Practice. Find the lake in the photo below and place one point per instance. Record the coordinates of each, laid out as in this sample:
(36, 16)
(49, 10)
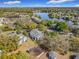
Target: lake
(44, 16)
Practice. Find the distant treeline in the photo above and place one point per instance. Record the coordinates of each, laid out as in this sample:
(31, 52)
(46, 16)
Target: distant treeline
(23, 10)
(40, 9)
(56, 9)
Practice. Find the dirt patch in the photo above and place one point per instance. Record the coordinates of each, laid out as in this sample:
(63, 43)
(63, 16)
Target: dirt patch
(35, 51)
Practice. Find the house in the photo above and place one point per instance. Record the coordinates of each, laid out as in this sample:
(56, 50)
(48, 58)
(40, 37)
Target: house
(55, 19)
(52, 55)
(11, 33)
(11, 15)
(1, 21)
(23, 15)
(77, 57)
(36, 20)
(70, 24)
(74, 56)
(4, 21)
(22, 39)
(0, 52)
(75, 26)
(36, 34)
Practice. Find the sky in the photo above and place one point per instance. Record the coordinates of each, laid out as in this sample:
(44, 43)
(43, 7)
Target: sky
(39, 3)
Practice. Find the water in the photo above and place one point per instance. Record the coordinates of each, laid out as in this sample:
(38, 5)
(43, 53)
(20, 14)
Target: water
(44, 16)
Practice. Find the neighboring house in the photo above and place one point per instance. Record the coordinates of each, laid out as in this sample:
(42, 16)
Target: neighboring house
(11, 33)
(36, 34)
(55, 19)
(52, 55)
(70, 34)
(0, 52)
(22, 39)
(36, 20)
(1, 21)
(75, 26)
(77, 57)
(23, 15)
(70, 24)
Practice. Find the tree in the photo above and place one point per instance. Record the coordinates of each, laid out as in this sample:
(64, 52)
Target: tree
(76, 32)
(51, 33)
(75, 22)
(41, 27)
(8, 43)
(50, 23)
(74, 45)
(6, 28)
(24, 24)
(12, 56)
(31, 26)
(66, 18)
(4, 56)
(61, 26)
(54, 44)
(21, 55)
(50, 15)
(44, 22)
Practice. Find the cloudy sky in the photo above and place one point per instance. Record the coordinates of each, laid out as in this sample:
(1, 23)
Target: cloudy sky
(39, 3)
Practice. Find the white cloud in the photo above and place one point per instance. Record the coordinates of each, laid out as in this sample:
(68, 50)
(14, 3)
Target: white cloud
(58, 1)
(77, 5)
(12, 2)
(40, 5)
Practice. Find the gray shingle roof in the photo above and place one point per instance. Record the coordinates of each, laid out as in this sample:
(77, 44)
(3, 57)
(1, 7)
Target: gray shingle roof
(52, 55)
(22, 39)
(36, 34)
(77, 57)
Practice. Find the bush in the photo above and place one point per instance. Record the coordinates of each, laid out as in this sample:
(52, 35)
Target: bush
(74, 45)
(8, 43)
